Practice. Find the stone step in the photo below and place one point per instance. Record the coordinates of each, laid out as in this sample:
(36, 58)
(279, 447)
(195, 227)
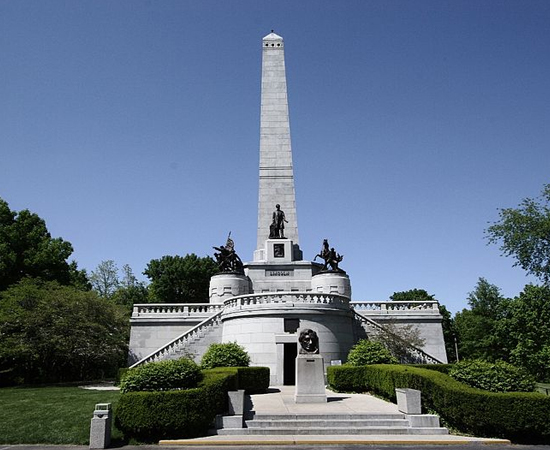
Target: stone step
(318, 423)
(314, 431)
(326, 417)
(362, 431)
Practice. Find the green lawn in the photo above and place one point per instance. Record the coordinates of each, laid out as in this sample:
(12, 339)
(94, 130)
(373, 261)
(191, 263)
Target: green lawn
(50, 415)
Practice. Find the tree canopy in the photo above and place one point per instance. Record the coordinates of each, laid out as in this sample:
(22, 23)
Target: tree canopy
(177, 279)
(524, 233)
(27, 249)
(480, 329)
(412, 295)
(51, 333)
(513, 330)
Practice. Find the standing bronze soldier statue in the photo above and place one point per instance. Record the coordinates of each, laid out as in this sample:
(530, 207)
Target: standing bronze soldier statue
(276, 229)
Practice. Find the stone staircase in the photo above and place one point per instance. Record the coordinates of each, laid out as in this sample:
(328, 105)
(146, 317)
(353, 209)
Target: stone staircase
(193, 343)
(337, 424)
(196, 346)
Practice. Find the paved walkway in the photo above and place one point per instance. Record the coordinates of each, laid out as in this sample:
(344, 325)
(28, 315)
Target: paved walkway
(280, 400)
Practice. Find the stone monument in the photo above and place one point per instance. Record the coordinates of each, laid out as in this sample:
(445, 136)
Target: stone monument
(279, 304)
(310, 376)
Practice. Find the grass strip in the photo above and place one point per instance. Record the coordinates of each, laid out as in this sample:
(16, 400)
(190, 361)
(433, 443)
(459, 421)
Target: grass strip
(50, 415)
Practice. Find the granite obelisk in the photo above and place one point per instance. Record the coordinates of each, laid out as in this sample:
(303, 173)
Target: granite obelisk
(276, 170)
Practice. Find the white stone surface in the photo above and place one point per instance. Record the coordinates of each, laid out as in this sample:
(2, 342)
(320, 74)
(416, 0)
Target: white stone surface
(409, 401)
(331, 283)
(276, 169)
(310, 379)
(225, 285)
(100, 427)
(236, 402)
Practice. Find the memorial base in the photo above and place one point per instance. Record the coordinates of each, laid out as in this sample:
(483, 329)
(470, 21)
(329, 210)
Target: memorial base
(310, 379)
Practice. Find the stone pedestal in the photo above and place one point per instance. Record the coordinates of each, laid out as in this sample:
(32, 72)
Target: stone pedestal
(310, 379)
(100, 428)
(408, 401)
(331, 283)
(226, 285)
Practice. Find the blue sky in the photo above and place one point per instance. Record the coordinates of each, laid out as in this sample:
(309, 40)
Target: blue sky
(132, 128)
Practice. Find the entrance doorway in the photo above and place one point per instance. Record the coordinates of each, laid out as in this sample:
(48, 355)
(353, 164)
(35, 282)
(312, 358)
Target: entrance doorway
(289, 367)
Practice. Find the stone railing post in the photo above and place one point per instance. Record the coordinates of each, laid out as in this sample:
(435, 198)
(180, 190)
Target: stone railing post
(100, 428)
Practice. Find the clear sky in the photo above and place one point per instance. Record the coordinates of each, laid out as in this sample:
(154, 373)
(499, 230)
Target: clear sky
(132, 128)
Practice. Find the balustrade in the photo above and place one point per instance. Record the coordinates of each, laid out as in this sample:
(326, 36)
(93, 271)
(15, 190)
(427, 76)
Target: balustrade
(174, 309)
(385, 307)
(274, 298)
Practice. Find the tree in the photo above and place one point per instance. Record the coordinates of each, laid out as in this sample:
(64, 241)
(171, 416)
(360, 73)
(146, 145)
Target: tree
(412, 295)
(528, 326)
(104, 278)
(130, 290)
(27, 249)
(480, 330)
(177, 279)
(524, 233)
(51, 333)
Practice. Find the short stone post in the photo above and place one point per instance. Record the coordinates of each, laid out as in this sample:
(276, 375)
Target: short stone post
(100, 429)
(235, 416)
(408, 401)
(236, 402)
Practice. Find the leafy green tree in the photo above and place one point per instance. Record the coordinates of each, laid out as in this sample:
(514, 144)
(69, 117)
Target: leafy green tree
(447, 322)
(528, 326)
(51, 333)
(412, 295)
(79, 277)
(104, 279)
(28, 250)
(480, 329)
(130, 290)
(177, 279)
(524, 233)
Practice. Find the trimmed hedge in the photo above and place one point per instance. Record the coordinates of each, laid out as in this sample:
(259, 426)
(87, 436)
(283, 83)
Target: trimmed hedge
(518, 416)
(254, 380)
(151, 416)
(443, 368)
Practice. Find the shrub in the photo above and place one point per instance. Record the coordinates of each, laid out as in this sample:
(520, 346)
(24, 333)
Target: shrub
(162, 376)
(254, 380)
(519, 416)
(151, 416)
(495, 377)
(229, 354)
(370, 352)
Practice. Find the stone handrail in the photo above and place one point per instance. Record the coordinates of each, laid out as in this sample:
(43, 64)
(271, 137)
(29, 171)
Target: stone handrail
(418, 355)
(274, 298)
(174, 309)
(180, 342)
(388, 306)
